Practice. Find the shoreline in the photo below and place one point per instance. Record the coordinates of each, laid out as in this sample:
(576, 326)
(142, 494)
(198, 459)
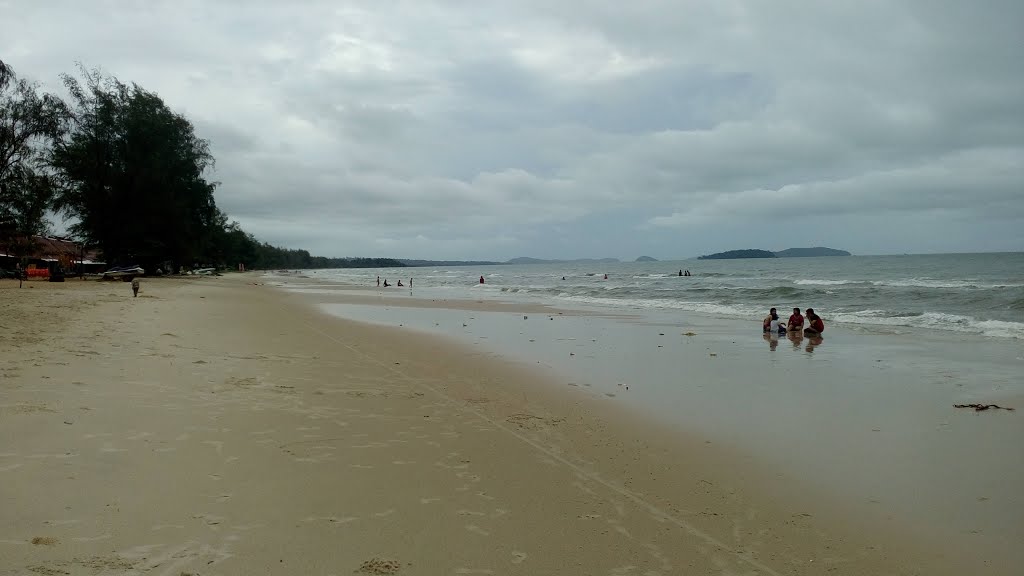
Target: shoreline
(817, 424)
(222, 425)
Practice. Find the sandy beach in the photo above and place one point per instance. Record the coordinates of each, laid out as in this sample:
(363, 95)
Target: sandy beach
(224, 426)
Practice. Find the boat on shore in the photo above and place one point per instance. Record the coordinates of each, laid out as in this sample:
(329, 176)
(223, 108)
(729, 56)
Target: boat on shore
(123, 272)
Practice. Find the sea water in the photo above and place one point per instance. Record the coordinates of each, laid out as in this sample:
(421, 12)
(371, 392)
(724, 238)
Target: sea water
(970, 293)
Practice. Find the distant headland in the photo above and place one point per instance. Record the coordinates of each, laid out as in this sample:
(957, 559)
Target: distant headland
(787, 253)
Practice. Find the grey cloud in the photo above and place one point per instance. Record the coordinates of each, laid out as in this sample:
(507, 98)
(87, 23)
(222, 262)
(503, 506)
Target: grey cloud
(444, 129)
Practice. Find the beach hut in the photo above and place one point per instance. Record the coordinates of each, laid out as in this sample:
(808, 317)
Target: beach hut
(43, 255)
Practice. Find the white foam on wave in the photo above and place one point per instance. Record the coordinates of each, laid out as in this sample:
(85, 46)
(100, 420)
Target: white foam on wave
(711, 308)
(823, 282)
(909, 283)
(931, 283)
(934, 321)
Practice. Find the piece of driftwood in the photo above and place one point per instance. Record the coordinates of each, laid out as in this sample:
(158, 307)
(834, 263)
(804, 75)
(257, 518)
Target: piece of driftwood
(982, 407)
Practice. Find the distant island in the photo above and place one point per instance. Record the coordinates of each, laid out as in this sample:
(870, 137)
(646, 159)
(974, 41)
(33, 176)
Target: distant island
(787, 253)
(810, 252)
(736, 254)
(646, 259)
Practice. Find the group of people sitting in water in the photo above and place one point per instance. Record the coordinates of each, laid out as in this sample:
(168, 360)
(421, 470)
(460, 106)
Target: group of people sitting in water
(773, 324)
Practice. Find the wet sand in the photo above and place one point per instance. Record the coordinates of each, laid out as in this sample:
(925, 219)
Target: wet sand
(222, 426)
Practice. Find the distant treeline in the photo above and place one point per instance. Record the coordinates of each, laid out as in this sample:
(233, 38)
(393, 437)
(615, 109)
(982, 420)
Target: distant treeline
(264, 256)
(129, 172)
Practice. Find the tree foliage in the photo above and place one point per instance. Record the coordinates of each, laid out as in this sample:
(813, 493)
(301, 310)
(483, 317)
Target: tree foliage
(238, 246)
(28, 123)
(132, 174)
(6, 74)
(129, 173)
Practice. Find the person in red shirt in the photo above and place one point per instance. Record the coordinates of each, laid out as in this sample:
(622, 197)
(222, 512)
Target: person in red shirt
(796, 321)
(817, 326)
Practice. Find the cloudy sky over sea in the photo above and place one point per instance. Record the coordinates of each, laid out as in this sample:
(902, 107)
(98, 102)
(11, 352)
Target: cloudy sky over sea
(583, 128)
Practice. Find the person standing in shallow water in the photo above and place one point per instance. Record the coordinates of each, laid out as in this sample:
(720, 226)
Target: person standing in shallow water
(135, 287)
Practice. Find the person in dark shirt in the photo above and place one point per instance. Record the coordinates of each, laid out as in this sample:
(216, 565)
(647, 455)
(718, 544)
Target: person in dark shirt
(816, 324)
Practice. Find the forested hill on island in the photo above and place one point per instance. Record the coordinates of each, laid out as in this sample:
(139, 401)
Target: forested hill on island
(787, 253)
(810, 252)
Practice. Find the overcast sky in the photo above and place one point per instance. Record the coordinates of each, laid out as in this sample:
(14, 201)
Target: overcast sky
(587, 128)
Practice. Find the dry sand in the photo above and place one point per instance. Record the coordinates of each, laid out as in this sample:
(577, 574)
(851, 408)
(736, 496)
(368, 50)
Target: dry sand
(219, 426)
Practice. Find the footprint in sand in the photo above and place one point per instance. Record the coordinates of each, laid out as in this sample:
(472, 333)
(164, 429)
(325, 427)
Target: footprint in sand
(93, 538)
(159, 527)
(477, 530)
(217, 444)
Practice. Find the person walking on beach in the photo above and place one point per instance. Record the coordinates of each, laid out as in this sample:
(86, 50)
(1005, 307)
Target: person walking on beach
(135, 287)
(796, 321)
(378, 281)
(816, 324)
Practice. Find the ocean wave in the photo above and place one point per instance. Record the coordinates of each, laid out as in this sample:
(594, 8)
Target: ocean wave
(933, 321)
(911, 283)
(824, 282)
(931, 283)
(713, 308)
